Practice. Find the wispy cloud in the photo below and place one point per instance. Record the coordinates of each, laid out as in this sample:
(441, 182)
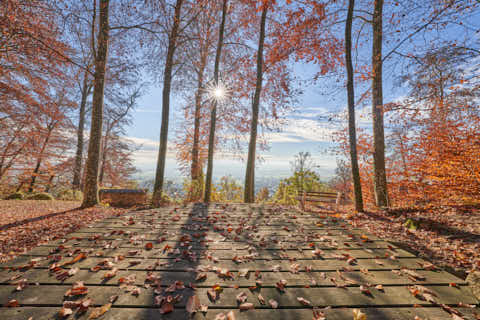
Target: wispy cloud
(141, 110)
(145, 143)
(302, 130)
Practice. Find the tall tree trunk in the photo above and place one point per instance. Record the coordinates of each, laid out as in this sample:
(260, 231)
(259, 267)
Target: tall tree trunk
(91, 179)
(50, 182)
(357, 187)
(39, 160)
(213, 115)
(380, 177)
(104, 158)
(77, 170)
(195, 170)
(167, 84)
(20, 186)
(249, 195)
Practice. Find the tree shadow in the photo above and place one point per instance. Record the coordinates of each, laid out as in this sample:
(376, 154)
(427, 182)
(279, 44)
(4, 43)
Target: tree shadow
(39, 218)
(443, 229)
(188, 259)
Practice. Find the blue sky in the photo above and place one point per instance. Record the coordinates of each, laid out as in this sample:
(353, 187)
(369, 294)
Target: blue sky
(304, 131)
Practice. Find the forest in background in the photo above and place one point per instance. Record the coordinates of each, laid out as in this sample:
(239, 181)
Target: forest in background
(72, 72)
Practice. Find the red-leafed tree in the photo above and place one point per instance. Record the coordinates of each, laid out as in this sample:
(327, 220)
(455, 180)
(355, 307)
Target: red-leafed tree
(298, 31)
(31, 56)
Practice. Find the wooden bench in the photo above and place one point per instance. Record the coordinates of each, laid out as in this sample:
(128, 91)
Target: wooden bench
(123, 197)
(318, 196)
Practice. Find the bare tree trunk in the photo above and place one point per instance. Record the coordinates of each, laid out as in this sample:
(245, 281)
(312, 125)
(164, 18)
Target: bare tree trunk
(77, 170)
(213, 115)
(20, 186)
(39, 160)
(104, 159)
(50, 182)
(357, 187)
(249, 195)
(380, 177)
(195, 170)
(167, 84)
(91, 179)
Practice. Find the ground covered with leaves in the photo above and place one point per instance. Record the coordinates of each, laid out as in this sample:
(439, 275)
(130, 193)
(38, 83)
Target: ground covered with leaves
(25, 224)
(448, 236)
(227, 262)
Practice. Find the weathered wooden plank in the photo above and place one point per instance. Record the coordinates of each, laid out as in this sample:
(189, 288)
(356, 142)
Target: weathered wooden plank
(224, 245)
(201, 235)
(268, 278)
(430, 313)
(356, 253)
(262, 265)
(285, 230)
(337, 297)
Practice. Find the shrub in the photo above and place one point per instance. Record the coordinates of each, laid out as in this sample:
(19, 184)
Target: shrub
(15, 196)
(70, 195)
(40, 196)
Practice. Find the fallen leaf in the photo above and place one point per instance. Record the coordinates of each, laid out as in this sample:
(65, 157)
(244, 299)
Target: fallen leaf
(413, 274)
(77, 289)
(304, 301)
(201, 277)
(73, 271)
(273, 303)
(79, 257)
(65, 312)
(281, 285)
(110, 274)
(12, 304)
(243, 273)
(212, 294)
(261, 299)
(365, 290)
(166, 308)
(318, 315)
(98, 312)
(220, 316)
(359, 315)
(84, 305)
(246, 306)
(21, 284)
(241, 297)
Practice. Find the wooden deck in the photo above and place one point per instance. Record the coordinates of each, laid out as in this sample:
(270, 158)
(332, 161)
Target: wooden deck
(166, 256)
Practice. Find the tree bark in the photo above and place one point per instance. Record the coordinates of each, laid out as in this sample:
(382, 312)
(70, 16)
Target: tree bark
(195, 170)
(39, 159)
(357, 187)
(213, 115)
(380, 178)
(249, 194)
(167, 84)
(90, 197)
(103, 158)
(77, 170)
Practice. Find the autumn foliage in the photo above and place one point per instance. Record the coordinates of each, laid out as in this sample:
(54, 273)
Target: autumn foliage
(433, 151)
(39, 73)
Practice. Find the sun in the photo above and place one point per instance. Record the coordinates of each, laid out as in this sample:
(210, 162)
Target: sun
(217, 92)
